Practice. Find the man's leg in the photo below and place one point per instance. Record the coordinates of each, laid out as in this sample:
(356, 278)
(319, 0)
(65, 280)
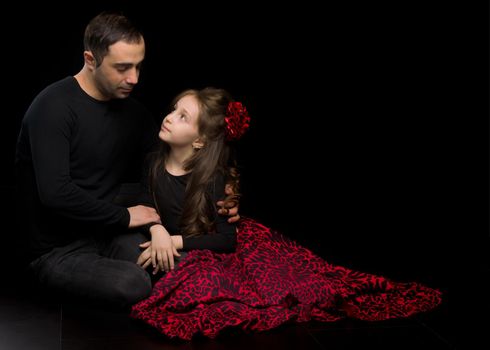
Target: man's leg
(125, 246)
(79, 269)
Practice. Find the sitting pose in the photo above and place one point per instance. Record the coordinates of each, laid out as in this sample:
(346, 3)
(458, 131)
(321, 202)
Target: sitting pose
(189, 173)
(80, 142)
(256, 279)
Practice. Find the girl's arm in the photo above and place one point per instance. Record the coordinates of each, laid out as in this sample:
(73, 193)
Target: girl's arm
(223, 240)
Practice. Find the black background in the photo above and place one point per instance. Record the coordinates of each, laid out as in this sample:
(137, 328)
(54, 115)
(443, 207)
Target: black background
(368, 141)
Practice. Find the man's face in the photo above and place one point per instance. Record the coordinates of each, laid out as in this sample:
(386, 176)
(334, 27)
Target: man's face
(116, 77)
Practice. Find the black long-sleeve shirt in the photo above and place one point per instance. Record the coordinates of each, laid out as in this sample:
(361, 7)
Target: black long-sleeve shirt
(169, 196)
(73, 152)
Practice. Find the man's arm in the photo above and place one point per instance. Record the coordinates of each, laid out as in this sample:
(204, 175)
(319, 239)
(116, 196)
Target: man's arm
(50, 132)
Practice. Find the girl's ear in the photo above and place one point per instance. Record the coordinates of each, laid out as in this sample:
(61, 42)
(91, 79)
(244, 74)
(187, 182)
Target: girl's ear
(198, 144)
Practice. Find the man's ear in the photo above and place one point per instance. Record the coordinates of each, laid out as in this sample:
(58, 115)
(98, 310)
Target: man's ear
(89, 60)
(198, 144)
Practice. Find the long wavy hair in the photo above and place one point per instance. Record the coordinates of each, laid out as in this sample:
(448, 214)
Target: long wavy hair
(214, 159)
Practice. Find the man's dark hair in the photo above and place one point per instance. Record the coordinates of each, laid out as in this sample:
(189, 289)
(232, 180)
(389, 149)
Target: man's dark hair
(106, 29)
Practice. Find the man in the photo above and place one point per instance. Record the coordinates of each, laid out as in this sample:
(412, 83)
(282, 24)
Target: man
(79, 140)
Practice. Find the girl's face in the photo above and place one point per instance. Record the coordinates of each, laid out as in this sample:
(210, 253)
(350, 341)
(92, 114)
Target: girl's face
(180, 128)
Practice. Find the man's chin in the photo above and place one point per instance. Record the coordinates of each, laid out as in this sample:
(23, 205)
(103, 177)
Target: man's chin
(121, 95)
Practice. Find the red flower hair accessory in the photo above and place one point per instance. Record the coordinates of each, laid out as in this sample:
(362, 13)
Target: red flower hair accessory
(237, 121)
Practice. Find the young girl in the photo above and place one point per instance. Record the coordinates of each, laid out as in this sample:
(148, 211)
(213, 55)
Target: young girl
(269, 279)
(189, 174)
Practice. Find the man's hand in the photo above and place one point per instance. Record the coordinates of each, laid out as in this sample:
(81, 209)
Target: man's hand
(144, 260)
(229, 206)
(142, 215)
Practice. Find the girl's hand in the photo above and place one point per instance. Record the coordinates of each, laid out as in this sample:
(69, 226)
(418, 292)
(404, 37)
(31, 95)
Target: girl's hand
(162, 249)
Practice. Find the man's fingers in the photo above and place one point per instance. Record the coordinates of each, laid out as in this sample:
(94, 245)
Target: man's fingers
(229, 190)
(144, 256)
(145, 244)
(146, 264)
(234, 219)
(224, 211)
(231, 203)
(233, 211)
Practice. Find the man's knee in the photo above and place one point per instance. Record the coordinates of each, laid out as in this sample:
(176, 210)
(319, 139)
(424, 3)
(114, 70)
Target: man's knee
(133, 287)
(125, 247)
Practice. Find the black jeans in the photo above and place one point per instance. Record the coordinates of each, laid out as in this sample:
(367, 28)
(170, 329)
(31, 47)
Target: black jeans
(103, 270)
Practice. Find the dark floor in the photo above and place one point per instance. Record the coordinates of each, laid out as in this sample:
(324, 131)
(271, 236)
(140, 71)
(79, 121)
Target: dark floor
(31, 319)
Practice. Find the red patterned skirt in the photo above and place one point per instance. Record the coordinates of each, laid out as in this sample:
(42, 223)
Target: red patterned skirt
(268, 281)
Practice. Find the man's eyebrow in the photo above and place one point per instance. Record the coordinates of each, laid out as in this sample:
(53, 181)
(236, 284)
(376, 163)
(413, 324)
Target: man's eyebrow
(123, 64)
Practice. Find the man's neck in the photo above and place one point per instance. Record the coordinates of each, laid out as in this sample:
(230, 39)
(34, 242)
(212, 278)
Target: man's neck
(87, 84)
